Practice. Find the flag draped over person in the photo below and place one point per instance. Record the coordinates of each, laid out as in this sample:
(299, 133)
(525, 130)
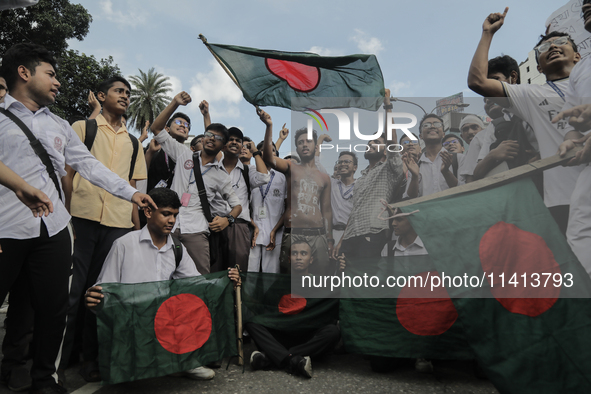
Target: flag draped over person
(158, 328)
(273, 78)
(528, 323)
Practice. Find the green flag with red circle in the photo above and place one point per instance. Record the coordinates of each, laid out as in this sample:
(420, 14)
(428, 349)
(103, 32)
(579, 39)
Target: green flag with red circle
(528, 319)
(273, 78)
(154, 329)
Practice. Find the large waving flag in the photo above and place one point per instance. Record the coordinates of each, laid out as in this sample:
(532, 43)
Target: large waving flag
(531, 335)
(158, 328)
(273, 78)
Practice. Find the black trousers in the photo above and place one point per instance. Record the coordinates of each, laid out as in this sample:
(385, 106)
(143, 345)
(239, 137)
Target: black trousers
(93, 243)
(365, 246)
(46, 262)
(278, 345)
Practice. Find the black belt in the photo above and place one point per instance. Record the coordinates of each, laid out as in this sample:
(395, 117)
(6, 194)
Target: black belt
(305, 231)
(239, 220)
(339, 227)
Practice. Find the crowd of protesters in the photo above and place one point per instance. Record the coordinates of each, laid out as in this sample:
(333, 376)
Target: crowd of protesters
(227, 201)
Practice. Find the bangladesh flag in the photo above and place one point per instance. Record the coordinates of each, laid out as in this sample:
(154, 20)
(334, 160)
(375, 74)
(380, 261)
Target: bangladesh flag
(407, 321)
(273, 78)
(531, 335)
(267, 300)
(158, 328)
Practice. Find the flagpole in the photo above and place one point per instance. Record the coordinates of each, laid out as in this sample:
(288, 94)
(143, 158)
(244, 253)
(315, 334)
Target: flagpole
(202, 38)
(239, 320)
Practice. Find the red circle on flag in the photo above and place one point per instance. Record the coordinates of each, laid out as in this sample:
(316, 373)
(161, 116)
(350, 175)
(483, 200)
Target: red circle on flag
(182, 323)
(507, 250)
(298, 76)
(425, 312)
(289, 305)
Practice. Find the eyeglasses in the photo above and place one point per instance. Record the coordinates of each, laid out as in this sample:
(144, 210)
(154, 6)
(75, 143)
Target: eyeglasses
(406, 142)
(182, 123)
(543, 47)
(454, 141)
(209, 134)
(346, 162)
(474, 127)
(434, 124)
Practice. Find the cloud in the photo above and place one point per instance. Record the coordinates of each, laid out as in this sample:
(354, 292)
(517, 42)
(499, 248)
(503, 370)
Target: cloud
(398, 87)
(367, 44)
(325, 51)
(134, 16)
(219, 90)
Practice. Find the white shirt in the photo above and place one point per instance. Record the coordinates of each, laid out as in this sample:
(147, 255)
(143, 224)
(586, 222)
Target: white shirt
(578, 92)
(63, 147)
(471, 158)
(431, 180)
(341, 200)
(191, 219)
(417, 248)
(537, 105)
(275, 192)
(239, 186)
(135, 259)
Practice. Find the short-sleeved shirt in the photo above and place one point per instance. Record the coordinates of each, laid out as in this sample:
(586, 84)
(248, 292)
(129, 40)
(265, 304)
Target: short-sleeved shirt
(275, 193)
(114, 149)
(341, 200)
(537, 105)
(431, 180)
(134, 258)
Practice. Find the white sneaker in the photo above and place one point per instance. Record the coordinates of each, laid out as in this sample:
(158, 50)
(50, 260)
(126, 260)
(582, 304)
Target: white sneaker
(200, 373)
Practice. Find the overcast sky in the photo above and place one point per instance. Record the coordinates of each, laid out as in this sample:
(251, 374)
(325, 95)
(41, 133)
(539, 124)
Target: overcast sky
(424, 48)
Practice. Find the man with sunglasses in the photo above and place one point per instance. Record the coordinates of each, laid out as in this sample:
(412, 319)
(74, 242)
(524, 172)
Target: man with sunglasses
(191, 227)
(556, 55)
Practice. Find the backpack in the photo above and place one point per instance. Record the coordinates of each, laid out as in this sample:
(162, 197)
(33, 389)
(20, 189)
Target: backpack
(91, 130)
(178, 251)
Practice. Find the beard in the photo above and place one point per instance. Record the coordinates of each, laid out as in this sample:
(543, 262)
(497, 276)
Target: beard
(374, 155)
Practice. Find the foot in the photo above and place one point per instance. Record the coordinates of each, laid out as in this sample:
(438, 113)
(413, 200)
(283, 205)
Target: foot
(424, 366)
(259, 360)
(18, 379)
(54, 389)
(200, 373)
(301, 366)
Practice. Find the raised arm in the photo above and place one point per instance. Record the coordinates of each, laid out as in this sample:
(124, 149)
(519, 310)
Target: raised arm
(269, 157)
(204, 108)
(478, 79)
(283, 134)
(94, 104)
(181, 98)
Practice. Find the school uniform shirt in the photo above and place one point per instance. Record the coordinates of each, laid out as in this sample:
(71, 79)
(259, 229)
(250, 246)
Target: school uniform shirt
(537, 105)
(239, 186)
(191, 219)
(341, 200)
(114, 149)
(416, 248)
(135, 259)
(431, 180)
(271, 197)
(63, 146)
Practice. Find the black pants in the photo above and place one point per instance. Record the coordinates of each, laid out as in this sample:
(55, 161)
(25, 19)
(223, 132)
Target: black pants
(46, 262)
(93, 243)
(365, 246)
(278, 345)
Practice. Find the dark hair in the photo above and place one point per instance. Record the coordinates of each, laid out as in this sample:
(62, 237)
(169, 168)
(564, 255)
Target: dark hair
(406, 136)
(108, 83)
(304, 130)
(505, 65)
(165, 198)
(125, 116)
(555, 34)
(194, 140)
(301, 241)
(178, 115)
(219, 128)
(352, 154)
(260, 145)
(24, 54)
(246, 139)
(451, 135)
(427, 116)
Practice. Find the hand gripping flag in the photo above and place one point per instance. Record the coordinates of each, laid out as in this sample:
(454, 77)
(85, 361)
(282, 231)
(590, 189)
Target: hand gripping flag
(528, 320)
(273, 78)
(158, 328)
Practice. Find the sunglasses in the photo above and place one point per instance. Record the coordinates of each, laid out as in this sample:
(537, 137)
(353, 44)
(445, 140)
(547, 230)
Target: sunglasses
(406, 142)
(434, 124)
(209, 134)
(183, 123)
(543, 47)
(448, 142)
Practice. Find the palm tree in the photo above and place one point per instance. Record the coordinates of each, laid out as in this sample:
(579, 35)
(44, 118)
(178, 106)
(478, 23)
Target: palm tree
(148, 97)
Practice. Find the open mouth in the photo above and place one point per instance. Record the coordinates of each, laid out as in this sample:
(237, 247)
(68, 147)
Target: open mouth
(553, 54)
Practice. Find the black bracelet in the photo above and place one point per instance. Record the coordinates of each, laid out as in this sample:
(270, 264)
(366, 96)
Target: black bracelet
(388, 106)
(257, 153)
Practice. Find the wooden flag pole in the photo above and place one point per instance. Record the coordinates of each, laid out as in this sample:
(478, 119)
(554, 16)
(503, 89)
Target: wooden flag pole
(499, 179)
(239, 328)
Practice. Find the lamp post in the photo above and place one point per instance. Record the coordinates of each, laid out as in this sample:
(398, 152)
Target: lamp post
(409, 102)
(460, 105)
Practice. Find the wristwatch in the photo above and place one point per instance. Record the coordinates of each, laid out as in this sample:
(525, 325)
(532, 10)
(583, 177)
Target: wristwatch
(257, 153)
(231, 220)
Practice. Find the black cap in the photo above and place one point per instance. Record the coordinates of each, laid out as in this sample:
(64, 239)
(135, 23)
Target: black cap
(235, 132)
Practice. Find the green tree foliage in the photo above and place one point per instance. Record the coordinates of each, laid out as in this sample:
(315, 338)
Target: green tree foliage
(79, 74)
(148, 97)
(49, 23)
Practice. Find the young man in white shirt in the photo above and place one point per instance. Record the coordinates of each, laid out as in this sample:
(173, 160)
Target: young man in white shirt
(192, 228)
(43, 246)
(341, 197)
(557, 55)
